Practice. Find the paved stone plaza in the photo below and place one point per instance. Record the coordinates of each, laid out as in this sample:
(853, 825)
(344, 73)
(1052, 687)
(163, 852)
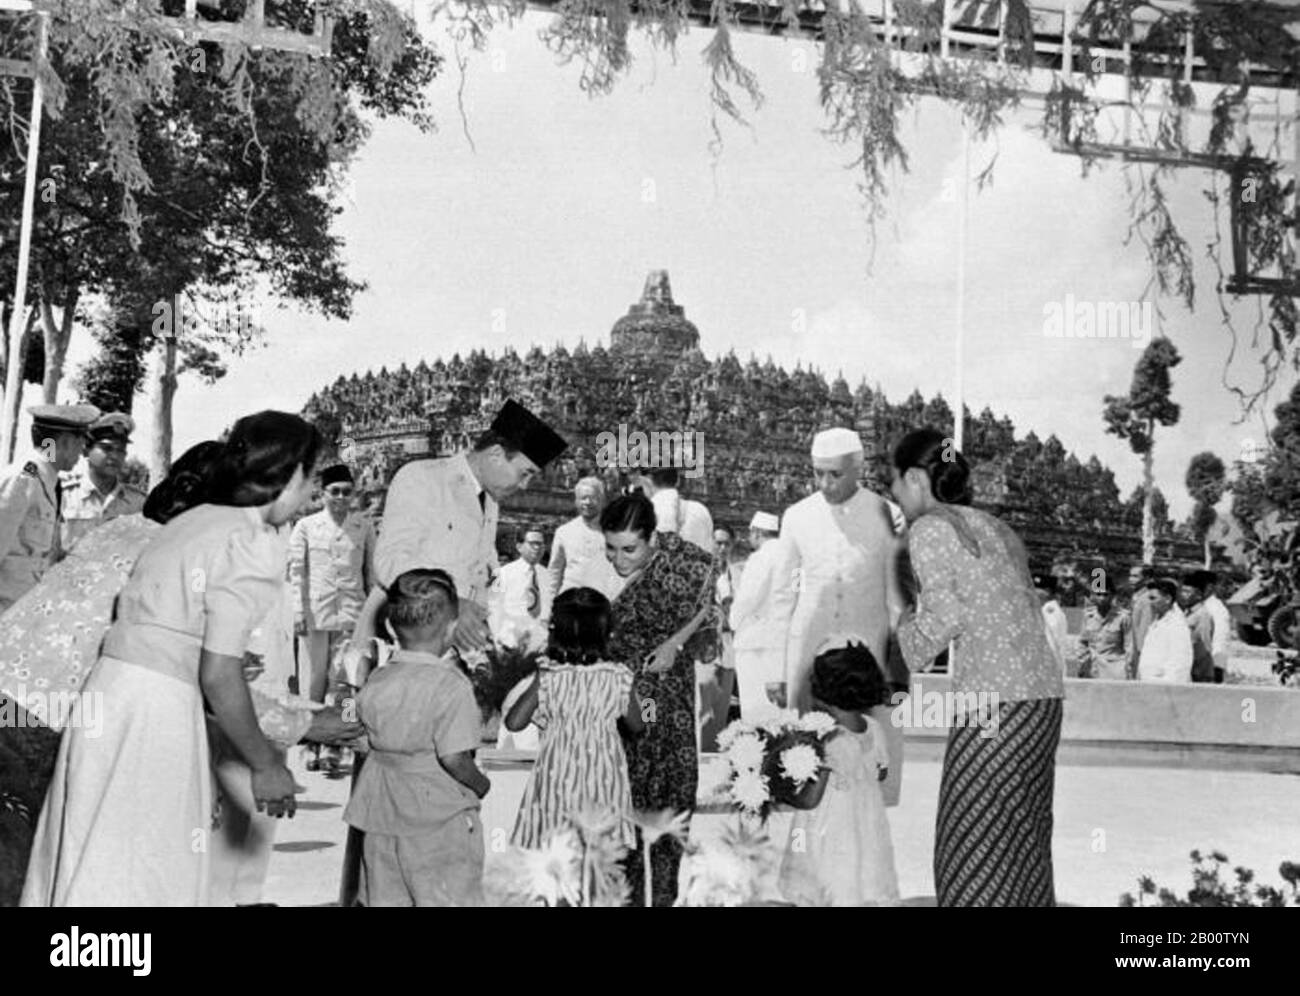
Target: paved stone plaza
(1113, 824)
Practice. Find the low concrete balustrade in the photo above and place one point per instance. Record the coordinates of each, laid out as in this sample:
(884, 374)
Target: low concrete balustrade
(1246, 727)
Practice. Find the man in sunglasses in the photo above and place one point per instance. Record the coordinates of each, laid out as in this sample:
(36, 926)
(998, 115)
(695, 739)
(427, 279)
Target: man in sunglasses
(99, 492)
(331, 572)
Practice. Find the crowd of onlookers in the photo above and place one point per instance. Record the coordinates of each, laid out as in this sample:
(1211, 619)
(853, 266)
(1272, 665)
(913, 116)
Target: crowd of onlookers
(1154, 628)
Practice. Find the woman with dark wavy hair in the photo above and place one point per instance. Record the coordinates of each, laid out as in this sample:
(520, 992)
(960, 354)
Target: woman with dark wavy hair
(663, 622)
(993, 836)
(129, 809)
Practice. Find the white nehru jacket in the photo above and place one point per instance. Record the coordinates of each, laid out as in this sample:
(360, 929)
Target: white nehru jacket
(839, 564)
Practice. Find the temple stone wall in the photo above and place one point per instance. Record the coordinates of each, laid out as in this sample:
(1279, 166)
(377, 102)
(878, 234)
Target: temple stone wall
(755, 424)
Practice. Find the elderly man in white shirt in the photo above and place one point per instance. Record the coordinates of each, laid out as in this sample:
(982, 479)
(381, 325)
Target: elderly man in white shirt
(578, 549)
(1167, 650)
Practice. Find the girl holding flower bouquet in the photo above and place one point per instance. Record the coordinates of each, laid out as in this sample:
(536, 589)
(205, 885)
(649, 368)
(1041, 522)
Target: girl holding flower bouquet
(839, 850)
(577, 697)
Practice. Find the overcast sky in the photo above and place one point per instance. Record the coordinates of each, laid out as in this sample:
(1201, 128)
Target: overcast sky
(544, 230)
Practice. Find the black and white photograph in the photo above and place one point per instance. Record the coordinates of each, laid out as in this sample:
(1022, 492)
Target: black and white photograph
(497, 453)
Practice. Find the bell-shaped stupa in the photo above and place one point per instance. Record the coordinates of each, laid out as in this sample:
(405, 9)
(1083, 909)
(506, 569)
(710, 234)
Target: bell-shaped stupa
(655, 325)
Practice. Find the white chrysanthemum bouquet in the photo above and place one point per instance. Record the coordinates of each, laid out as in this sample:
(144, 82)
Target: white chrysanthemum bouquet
(773, 760)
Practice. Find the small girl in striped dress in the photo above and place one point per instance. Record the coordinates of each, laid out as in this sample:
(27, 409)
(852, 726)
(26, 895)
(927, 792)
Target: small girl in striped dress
(576, 699)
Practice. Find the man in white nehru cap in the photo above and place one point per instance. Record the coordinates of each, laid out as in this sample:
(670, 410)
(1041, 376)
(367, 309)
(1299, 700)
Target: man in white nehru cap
(759, 616)
(837, 560)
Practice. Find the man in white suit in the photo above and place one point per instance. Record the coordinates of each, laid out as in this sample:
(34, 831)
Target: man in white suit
(838, 554)
(443, 513)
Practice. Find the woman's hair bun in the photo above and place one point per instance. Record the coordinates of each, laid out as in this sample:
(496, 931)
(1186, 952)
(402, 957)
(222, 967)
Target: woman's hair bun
(950, 480)
(936, 454)
(187, 484)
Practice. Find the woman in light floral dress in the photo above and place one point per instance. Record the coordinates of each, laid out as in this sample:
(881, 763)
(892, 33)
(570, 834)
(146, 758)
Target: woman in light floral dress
(49, 639)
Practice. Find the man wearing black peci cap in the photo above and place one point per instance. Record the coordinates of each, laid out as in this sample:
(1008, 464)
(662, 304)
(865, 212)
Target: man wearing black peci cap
(331, 571)
(443, 513)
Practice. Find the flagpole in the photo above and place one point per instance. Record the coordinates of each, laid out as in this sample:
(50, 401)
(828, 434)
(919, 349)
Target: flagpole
(959, 391)
(18, 316)
(963, 197)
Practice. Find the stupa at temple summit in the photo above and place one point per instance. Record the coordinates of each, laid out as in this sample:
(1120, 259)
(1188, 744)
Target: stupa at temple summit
(755, 422)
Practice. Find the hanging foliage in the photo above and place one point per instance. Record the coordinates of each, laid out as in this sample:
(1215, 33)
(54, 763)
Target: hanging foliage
(135, 52)
(870, 74)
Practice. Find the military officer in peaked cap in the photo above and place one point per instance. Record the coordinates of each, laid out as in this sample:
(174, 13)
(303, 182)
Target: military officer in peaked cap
(96, 493)
(31, 496)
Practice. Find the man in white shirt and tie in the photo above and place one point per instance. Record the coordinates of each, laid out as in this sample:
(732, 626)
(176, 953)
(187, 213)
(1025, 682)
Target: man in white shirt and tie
(519, 604)
(578, 549)
(1167, 651)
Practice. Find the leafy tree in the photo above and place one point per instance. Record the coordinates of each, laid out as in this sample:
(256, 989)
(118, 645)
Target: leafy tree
(228, 158)
(1249, 497)
(1138, 510)
(1134, 417)
(871, 80)
(1206, 481)
(1282, 463)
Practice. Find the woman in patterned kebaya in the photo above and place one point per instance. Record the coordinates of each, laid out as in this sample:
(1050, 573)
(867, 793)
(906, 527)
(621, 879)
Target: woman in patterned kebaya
(577, 698)
(993, 838)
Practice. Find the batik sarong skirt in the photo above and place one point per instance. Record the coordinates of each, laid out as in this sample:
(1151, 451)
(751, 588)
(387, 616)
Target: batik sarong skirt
(993, 838)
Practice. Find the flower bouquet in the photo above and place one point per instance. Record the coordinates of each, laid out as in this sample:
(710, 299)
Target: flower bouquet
(495, 670)
(773, 760)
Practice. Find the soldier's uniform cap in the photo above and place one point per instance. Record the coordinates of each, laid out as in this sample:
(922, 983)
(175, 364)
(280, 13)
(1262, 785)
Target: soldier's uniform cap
(64, 418)
(117, 424)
